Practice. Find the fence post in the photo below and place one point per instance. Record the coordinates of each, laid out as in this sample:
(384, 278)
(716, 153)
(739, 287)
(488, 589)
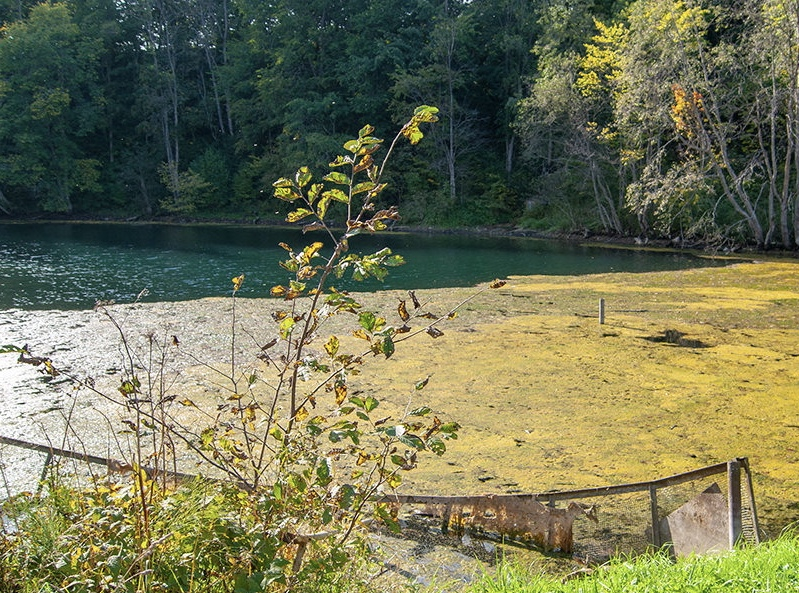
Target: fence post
(734, 493)
(601, 311)
(653, 506)
(744, 461)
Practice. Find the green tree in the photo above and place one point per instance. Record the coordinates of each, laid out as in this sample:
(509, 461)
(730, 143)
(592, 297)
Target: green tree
(49, 102)
(565, 126)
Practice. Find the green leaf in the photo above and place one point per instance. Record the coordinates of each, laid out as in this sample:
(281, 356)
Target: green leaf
(323, 471)
(303, 176)
(394, 260)
(321, 206)
(9, 348)
(382, 511)
(314, 192)
(423, 411)
(394, 431)
(352, 146)
(283, 182)
(297, 482)
(367, 320)
(287, 194)
(347, 496)
(364, 186)
(371, 322)
(412, 441)
(337, 177)
(370, 403)
(337, 195)
(436, 445)
(387, 346)
(342, 161)
(449, 427)
(426, 114)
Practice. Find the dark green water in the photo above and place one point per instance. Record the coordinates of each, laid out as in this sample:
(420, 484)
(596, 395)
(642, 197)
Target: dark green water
(70, 266)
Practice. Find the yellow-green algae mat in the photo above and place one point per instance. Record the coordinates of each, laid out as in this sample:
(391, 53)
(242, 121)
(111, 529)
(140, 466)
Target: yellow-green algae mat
(689, 368)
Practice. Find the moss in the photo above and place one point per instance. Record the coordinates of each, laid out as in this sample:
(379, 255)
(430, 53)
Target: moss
(548, 398)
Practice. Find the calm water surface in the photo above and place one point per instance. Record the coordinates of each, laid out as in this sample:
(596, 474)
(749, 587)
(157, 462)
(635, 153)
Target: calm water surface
(70, 266)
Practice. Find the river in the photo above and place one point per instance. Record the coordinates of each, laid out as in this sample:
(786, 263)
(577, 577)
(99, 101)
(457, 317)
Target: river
(70, 266)
(51, 275)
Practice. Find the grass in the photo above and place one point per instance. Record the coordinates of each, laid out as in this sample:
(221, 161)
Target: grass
(770, 567)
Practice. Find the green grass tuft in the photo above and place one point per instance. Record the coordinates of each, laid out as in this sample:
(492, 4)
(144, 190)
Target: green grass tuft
(771, 567)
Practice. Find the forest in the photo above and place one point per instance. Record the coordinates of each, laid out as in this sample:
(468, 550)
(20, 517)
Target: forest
(667, 119)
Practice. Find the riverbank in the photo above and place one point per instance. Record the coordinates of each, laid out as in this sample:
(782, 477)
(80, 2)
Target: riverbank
(548, 398)
(500, 230)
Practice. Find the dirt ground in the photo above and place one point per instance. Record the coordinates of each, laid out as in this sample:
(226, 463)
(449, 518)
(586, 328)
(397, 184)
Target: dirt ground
(690, 368)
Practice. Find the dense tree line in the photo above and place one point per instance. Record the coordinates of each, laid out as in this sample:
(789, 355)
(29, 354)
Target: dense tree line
(676, 118)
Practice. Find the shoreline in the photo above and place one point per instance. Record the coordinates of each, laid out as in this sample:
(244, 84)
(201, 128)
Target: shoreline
(548, 398)
(574, 237)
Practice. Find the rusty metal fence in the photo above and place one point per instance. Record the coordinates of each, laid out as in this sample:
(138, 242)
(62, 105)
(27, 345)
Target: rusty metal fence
(712, 507)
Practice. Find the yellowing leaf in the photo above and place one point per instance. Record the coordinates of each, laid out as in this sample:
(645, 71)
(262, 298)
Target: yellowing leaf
(298, 214)
(303, 176)
(359, 333)
(337, 195)
(403, 311)
(237, 282)
(301, 414)
(341, 392)
(332, 346)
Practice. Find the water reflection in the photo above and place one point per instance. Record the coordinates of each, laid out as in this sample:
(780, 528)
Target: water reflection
(70, 266)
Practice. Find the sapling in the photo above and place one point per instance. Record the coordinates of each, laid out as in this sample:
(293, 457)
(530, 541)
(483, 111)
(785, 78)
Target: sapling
(313, 458)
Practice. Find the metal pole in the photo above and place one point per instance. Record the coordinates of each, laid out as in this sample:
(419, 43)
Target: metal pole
(734, 494)
(653, 506)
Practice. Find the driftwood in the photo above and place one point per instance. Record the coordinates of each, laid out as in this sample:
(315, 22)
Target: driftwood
(515, 518)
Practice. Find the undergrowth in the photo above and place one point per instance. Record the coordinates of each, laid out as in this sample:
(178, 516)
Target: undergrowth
(303, 464)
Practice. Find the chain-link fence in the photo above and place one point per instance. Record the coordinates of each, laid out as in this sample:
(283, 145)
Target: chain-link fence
(709, 508)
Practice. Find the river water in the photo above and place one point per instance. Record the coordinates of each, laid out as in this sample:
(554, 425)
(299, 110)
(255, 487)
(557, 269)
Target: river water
(70, 266)
(52, 274)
